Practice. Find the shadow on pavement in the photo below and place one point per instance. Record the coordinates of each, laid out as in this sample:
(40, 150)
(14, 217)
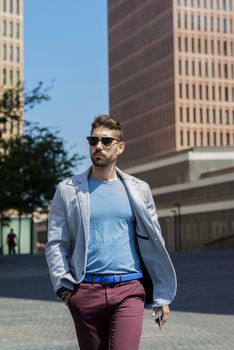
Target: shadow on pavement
(205, 280)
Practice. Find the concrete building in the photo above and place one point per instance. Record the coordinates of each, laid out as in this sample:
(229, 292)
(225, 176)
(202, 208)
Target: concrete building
(11, 60)
(171, 74)
(171, 80)
(194, 196)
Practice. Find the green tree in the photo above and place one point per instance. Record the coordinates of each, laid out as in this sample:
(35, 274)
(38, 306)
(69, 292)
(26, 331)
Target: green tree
(32, 164)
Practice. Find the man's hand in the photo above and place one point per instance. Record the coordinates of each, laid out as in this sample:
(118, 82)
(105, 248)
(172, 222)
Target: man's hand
(165, 313)
(66, 298)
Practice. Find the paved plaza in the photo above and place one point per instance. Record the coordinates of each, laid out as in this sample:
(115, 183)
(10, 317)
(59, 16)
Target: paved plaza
(202, 315)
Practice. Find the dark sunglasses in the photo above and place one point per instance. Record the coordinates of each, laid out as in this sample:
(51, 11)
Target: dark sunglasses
(106, 141)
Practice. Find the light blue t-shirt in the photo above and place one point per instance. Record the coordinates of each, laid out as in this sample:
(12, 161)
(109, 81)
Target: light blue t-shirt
(112, 246)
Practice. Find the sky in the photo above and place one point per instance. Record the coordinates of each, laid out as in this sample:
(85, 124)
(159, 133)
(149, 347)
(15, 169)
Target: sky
(66, 41)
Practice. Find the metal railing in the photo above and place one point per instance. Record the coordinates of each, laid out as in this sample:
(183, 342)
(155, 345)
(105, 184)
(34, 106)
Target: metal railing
(226, 242)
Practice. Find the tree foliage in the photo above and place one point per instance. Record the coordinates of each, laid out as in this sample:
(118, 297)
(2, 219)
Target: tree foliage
(31, 166)
(33, 163)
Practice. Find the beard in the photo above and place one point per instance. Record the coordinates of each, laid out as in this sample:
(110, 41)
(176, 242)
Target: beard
(101, 161)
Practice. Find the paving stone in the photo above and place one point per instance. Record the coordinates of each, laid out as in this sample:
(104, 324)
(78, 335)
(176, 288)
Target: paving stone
(202, 316)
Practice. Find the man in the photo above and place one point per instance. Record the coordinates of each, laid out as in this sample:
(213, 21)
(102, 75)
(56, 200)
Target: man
(11, 242)
(104, 237)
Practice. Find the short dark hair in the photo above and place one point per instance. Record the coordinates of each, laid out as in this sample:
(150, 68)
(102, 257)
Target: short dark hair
(109, 122)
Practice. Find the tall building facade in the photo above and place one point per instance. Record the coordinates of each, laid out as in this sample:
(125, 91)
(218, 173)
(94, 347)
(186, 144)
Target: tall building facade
(171, 75)
(11, 61)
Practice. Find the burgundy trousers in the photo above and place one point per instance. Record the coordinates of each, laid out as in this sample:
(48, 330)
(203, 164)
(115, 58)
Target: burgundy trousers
(108, 316)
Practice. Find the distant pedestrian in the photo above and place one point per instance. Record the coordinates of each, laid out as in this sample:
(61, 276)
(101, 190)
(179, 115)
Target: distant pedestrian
(11, 241)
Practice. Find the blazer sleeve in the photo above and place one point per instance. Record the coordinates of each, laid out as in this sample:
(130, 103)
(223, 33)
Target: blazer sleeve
(58, 247)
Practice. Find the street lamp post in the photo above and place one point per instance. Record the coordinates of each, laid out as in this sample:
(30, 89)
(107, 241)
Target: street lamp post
(175, 228)
(178, 206)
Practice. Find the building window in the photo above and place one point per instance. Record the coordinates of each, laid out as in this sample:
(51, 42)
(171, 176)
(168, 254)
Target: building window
(18, 76)
(206, 68)
(220, 93)
(231, 25)
(201, 138)
(11, 6)
(227, 117)
(188, 138)
(212, 46)
(4, 52)
(181, 138)
(186, 44)
(218, 24)
(232, 94)
(224, 25)
(200, 68)
(208, 138)
(200, 92)
(11, 53)
(17, 30)
(4, 28)
(181, 114)
(193, 68)
(207, 92)
(180, 90)
(4, 76)
(198, 23)
(213, 69)
(180, 67)
(4, 5)
(195, 138)
(211, 4)
(213, 92)
(214, 139)
(193, 45)
(224, 5)
(201, 115)
(199, 45)
(185, 21)
(217, 4)
(18, 7)
(225, 48)
(220, 117)
(11, 77)
(206, 46)
(226, 94)
(211, 24)
(11, 29)
(219, 70)
(192, 22)
(187, 114)
(219, 47)
(194, 115)
(187, 90)
(214, 116)
(227, 139)
(221, 139)
(179, 20)
(18, 54)
(194, 91)
(207, 116)
(179, 43)
(225, 71)
(205, 23)
(186, 68)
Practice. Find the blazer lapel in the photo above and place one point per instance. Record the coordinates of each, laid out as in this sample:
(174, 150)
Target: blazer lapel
(82, 190)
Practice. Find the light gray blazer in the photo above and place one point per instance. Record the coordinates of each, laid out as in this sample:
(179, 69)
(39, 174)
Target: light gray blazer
(68, 235)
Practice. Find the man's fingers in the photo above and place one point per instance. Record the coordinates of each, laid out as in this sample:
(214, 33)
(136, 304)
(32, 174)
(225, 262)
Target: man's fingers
(165, 313)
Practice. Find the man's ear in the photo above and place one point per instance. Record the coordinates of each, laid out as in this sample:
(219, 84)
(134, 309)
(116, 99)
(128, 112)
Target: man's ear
(121, 147)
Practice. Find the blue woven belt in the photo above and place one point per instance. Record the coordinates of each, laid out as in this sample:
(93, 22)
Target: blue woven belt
(112, 278)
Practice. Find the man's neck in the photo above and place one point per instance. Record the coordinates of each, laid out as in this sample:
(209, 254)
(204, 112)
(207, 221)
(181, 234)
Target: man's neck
(104, 174)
